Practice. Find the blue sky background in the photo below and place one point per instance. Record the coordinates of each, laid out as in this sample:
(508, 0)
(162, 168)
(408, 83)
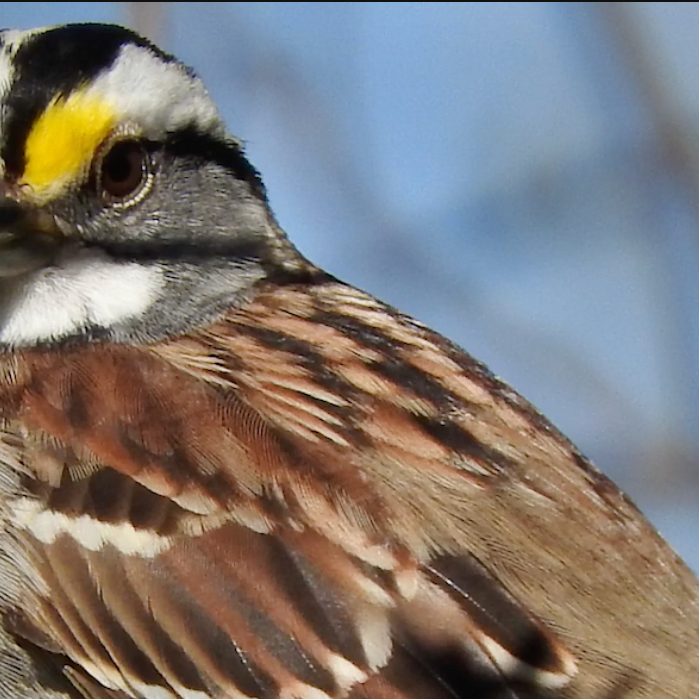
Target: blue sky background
(524, 177)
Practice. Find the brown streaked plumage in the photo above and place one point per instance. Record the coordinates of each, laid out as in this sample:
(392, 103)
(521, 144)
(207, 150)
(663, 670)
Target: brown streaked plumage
(307, 481)
(226, 475)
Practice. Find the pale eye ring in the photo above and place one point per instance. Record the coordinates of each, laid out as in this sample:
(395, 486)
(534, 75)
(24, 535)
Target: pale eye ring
(124, 172)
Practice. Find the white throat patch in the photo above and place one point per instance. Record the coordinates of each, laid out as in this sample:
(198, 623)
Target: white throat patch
(88, 290)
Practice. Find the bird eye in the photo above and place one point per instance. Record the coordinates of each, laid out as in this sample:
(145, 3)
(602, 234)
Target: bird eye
(124, 170)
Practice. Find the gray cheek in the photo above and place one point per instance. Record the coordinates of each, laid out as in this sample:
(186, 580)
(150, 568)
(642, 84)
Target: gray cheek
(188, 203)
(192, 296)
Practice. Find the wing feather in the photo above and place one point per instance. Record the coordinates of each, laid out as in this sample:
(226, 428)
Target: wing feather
(328, 509)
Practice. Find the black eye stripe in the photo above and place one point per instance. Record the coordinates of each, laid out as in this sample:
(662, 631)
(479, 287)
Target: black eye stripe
(190, 143)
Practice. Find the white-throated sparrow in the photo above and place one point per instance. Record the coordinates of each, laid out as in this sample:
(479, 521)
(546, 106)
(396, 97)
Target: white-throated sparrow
(226, 474)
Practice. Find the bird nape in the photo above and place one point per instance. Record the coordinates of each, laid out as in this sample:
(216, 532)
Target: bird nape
(226, 474)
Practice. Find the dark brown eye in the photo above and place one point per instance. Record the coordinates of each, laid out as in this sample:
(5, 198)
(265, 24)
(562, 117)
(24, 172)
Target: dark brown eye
(123, 170)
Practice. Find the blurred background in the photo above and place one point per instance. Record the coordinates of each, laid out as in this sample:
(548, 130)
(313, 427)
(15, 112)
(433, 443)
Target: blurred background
(523, 177)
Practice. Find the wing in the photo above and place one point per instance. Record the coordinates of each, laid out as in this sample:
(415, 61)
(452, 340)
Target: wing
(317, 497)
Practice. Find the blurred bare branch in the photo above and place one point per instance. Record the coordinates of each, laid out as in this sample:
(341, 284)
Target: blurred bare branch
(674, 140)
(313, 123)
(149, 19)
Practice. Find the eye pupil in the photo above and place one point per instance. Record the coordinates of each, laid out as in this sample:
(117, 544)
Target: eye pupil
(123, 169)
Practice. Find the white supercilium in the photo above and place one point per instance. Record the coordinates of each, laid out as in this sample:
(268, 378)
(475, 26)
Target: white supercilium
(160, 97)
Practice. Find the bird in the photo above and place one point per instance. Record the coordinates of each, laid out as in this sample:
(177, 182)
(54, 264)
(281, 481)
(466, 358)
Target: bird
(226, 474)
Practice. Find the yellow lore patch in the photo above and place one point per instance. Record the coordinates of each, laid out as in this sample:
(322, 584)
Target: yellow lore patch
(63, 141)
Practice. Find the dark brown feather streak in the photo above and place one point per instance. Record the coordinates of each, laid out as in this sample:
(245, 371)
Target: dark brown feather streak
(310, 468)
